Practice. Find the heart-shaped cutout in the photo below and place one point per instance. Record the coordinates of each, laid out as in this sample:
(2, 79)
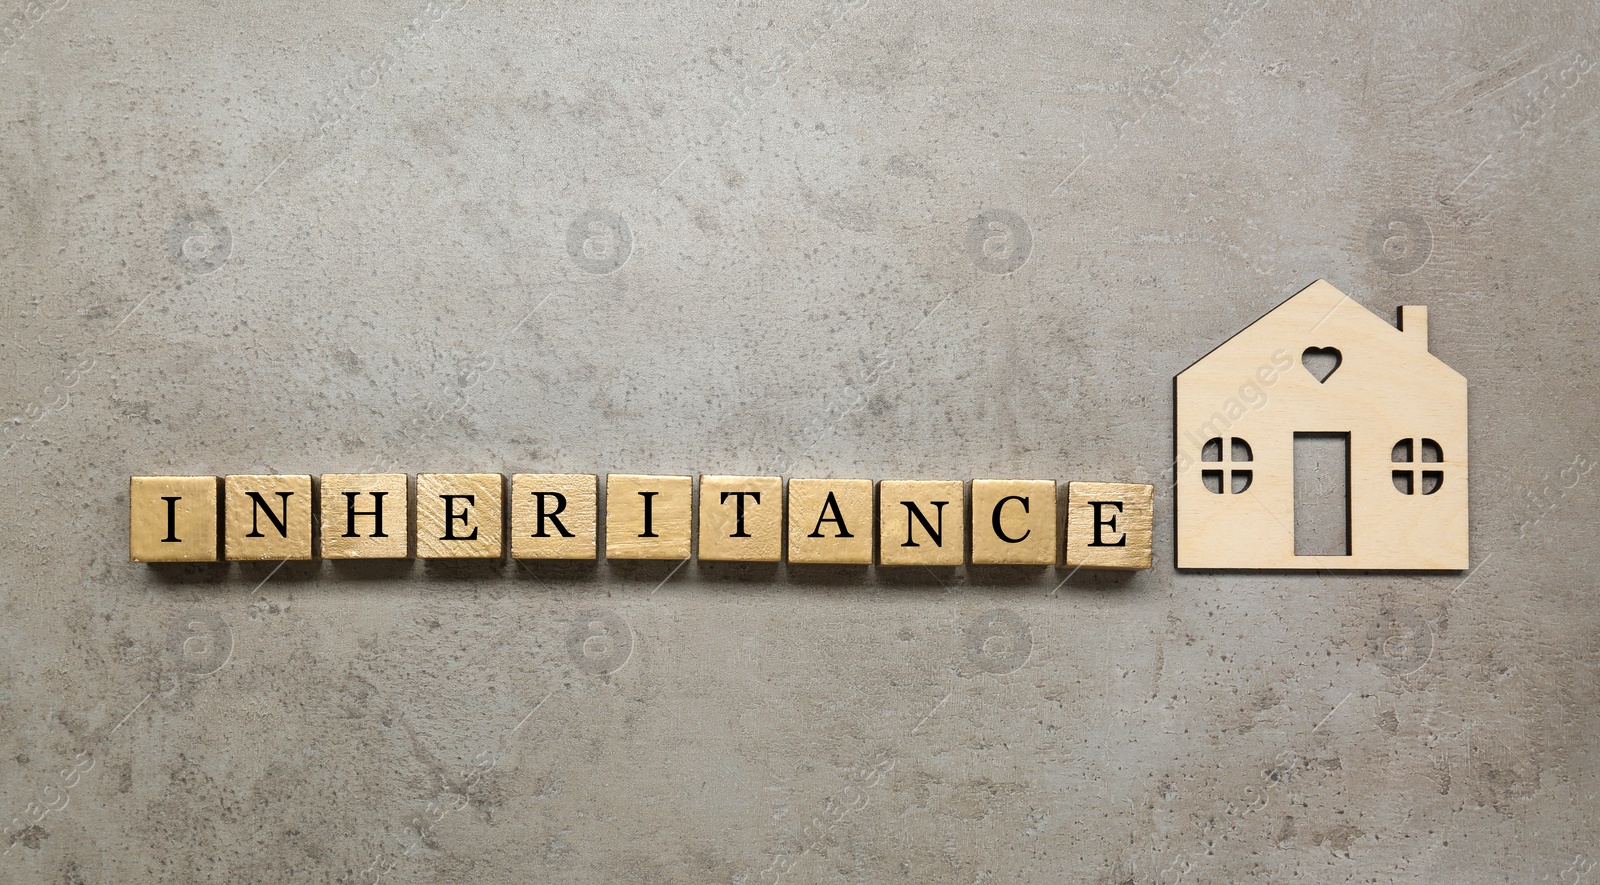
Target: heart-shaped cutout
(1321, 362)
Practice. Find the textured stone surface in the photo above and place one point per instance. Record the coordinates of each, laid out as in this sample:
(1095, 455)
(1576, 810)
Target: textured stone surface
(889, 240)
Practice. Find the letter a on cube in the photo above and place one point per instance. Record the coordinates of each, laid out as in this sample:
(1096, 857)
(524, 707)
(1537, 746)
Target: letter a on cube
(830, 521)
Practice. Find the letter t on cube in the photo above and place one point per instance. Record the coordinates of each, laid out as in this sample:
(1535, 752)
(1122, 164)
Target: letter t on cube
(741, 518)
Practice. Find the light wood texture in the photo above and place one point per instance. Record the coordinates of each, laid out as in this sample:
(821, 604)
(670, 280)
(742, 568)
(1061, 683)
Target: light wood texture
(741, 519)
(648, 517)
(266, 517)
(1014, 522)
(1256, 388)
(460, 516)
(183, 529)
(1109, 525)
(921, 522)
(357, 537)
(830, 521)
(568, 526)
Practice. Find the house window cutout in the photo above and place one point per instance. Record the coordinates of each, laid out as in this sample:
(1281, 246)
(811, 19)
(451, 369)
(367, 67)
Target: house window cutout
(1234, 480)
(1405, 481)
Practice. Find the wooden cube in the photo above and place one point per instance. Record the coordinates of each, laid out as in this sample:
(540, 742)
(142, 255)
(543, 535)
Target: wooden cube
(741, 518)
(365, 516)
(172, 519)
(648, 517)
(1108, 525)
(553, 515)
(460, 516)
(921, 522)
(1014, 522)
(266, 517)
(830, 521)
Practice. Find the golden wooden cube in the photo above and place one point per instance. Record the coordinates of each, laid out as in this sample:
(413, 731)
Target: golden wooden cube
(460, 516)
(365, 516)
(172, 519)
(648, 517)
(266, 517)
(741, 518)
(1014, 522)
(554, 515)
(1109, 525)
(830, 521)
(921, 522)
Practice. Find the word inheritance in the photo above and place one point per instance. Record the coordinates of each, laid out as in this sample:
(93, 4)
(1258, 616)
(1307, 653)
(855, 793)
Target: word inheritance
(560, 516)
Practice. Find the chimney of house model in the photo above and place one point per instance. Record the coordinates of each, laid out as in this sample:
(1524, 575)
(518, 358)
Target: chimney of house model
(1414, 325)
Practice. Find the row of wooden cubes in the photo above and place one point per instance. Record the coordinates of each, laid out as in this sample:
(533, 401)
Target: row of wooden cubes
(555, 516)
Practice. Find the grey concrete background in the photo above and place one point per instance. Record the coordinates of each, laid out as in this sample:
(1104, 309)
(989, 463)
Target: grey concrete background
(887, 240)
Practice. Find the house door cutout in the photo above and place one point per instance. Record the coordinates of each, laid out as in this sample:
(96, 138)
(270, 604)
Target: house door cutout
(1322, 494)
